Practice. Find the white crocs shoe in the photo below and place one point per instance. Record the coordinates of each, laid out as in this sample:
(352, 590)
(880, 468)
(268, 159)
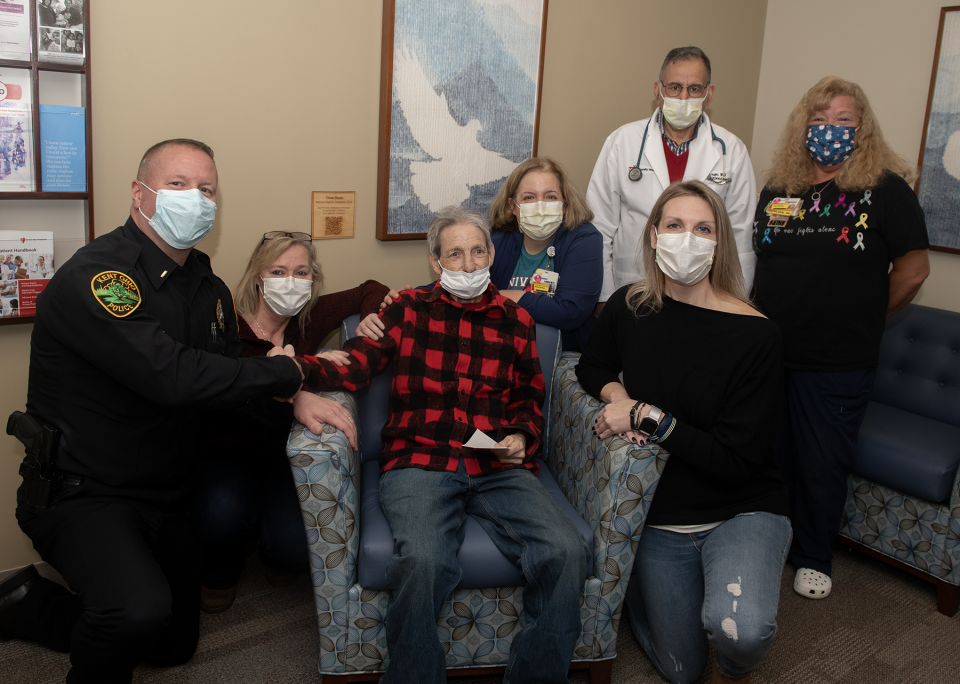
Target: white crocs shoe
(812, 584)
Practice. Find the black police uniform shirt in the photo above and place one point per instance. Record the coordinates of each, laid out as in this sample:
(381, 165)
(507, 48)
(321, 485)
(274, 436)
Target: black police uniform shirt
(128, 349)
(823, 278)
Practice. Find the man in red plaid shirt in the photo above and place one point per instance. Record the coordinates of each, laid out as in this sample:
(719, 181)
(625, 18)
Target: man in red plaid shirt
(464, 359)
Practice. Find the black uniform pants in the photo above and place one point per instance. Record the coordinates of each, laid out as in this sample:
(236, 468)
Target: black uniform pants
(136, 573)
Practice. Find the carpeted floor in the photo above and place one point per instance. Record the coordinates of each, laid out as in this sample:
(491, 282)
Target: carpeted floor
(879, 626)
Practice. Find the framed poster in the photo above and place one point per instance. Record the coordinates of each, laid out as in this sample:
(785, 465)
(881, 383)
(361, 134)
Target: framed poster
(938, 185)
(459, 105)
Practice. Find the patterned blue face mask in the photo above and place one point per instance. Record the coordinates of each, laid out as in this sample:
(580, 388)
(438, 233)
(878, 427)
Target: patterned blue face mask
(830, 145)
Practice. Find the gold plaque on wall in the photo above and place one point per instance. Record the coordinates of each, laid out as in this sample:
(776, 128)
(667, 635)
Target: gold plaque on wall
(333, 214)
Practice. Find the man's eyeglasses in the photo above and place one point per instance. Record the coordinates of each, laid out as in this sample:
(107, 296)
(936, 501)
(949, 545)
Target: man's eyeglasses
(674, 89)
(274, 234)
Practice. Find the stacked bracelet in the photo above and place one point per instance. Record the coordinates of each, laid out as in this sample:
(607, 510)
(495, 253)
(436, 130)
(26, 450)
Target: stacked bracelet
(666, 427)
(633, 415)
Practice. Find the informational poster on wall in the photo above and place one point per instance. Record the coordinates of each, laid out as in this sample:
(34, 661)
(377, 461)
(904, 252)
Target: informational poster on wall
(16, 131)
(60, 31)
(63, 156)
(26, 266)
(15, 30)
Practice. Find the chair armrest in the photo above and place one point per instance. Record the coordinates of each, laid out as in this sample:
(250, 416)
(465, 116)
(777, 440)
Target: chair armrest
(326, 472)
(610, 482)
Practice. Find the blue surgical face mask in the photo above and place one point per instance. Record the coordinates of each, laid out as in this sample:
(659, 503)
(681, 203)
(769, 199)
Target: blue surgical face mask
(830, 145)
(182, 218)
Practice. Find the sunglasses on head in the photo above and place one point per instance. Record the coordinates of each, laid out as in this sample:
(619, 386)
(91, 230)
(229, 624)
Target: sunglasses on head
(274, 234)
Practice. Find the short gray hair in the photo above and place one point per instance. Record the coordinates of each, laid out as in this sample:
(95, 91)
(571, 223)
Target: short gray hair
(452, 216)
(682, 54)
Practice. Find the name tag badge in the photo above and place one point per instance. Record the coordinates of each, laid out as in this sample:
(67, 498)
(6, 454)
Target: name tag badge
(545, 282)
(784, 206)
(778, 221)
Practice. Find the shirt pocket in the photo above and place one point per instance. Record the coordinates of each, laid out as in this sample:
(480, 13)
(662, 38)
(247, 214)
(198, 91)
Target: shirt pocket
(492, 371)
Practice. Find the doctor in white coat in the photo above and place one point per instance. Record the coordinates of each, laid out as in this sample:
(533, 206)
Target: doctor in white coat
(633, 169)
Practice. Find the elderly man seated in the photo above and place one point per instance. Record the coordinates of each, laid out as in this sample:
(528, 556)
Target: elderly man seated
(464, 360)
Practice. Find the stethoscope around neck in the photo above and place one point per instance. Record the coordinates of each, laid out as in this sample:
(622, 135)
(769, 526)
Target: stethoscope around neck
(636, 173)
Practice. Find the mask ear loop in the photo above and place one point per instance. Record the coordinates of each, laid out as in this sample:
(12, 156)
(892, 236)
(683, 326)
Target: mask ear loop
(151, 190)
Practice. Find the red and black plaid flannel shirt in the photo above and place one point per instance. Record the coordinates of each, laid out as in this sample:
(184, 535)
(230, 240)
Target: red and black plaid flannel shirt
(456, 368)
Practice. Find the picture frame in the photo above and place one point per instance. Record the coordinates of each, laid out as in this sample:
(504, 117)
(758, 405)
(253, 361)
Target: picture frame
(938, 184)
(460, 91)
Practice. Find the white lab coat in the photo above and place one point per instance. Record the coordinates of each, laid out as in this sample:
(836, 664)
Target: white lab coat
(621, 206)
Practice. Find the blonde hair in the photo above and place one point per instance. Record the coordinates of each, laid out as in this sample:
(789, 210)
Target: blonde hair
(725, 276)
(575, 209)
(793, 166)
(247, 297)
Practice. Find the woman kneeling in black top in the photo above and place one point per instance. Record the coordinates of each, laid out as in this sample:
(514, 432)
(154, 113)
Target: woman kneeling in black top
(701, 376)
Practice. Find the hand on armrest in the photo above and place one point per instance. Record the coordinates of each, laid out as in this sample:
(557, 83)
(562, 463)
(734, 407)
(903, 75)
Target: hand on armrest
(314, 411)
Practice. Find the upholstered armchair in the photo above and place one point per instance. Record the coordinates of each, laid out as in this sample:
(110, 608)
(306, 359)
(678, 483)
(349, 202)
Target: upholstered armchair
(903, 495)
(606, 487)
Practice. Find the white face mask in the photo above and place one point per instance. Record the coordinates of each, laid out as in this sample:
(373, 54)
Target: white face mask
(465, 285)
(684, 257)
(539, 220)
(681, 113)
(286, 296)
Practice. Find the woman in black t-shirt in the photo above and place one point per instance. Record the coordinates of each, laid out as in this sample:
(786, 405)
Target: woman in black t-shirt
(836, 212)
(710, 559)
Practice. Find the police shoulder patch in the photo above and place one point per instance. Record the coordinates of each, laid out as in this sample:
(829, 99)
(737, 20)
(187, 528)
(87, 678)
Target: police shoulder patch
(116, 292)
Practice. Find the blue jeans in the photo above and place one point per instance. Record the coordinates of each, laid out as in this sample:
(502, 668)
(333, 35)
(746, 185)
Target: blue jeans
(721, 585)
(426, 511)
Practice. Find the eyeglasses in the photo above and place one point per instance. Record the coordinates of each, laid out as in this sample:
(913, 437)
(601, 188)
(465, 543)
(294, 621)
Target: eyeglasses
(274, 234)
(674, 89)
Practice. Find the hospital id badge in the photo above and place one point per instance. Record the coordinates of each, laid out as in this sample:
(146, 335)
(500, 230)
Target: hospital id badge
(544, 282)
(784, 206)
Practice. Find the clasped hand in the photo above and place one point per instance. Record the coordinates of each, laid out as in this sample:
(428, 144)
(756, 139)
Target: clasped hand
(337, 357)
(614, 419)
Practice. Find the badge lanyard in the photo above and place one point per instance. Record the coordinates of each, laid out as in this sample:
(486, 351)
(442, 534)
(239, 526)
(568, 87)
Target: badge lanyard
(636, 174)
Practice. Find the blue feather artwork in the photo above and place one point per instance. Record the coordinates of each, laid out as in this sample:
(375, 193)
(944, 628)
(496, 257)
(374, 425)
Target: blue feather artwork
(464, 103)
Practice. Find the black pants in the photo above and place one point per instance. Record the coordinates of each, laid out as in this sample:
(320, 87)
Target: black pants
(229, 501)
(816, 444)
(135, 570)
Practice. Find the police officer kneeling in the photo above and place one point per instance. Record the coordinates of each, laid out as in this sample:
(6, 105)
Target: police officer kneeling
(134, 337)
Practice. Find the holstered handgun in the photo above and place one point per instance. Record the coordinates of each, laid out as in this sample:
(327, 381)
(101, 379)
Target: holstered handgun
(41, 478)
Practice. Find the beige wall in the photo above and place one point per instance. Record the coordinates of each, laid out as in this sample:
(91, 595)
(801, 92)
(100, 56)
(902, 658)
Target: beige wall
(603, 57)
(889, 52)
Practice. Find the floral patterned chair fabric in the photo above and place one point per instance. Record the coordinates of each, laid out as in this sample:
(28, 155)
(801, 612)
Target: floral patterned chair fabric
(903, 496)
(610, 483)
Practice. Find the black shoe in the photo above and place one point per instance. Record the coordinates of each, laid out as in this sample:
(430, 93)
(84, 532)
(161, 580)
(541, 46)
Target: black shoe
(12, 591)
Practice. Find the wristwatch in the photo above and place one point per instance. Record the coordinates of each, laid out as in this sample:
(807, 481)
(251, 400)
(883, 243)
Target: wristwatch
(649, 425)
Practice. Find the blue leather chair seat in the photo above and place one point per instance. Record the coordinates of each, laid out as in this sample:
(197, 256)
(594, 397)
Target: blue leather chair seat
(481, 561)
(918, 456)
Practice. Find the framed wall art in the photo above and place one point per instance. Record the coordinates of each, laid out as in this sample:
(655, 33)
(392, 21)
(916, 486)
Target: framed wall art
(459, 105)
(938, 186)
